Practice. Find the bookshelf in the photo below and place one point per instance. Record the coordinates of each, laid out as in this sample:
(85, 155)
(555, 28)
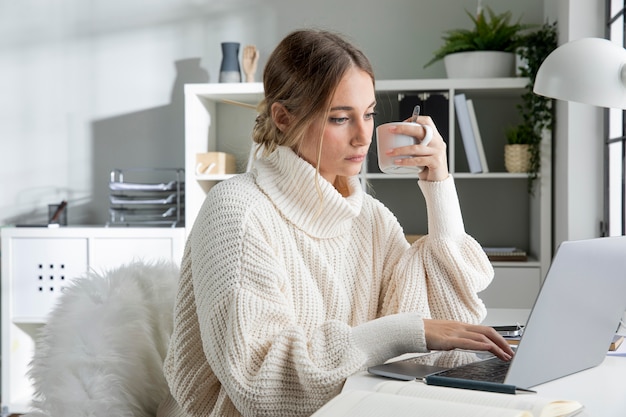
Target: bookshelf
(498, 209)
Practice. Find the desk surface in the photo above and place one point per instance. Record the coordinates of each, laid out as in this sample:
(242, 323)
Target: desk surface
(600, 389)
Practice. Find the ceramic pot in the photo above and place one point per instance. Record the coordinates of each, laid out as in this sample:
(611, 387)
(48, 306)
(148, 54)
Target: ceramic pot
(480, 64)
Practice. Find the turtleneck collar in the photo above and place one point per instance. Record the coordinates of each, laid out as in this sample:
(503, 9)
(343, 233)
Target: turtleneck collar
(289, 181)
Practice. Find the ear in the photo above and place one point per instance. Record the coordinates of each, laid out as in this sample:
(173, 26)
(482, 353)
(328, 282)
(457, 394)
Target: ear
(281, 116)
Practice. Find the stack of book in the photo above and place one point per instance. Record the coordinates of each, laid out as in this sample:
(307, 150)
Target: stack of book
(505, 254)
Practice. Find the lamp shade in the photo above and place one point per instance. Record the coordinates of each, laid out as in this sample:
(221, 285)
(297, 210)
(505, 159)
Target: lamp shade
(587, 70)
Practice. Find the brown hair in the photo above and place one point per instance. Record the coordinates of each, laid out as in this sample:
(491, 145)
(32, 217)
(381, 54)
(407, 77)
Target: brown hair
(302, 74)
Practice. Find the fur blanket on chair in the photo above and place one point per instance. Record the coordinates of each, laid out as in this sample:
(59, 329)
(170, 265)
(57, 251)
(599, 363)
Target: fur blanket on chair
(101, 351)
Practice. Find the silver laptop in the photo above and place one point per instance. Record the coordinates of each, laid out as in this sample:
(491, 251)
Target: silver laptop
(571, 325)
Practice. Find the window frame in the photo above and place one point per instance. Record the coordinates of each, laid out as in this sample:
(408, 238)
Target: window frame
(614, 223)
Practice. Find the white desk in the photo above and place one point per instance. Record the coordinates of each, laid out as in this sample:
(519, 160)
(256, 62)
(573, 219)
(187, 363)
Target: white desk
(600, 389)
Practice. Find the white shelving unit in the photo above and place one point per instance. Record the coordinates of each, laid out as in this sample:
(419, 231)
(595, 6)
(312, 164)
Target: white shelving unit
(498, 209)
(37, 263)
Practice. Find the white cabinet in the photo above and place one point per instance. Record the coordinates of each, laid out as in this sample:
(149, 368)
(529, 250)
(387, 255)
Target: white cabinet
(498, 209)
(37, 263)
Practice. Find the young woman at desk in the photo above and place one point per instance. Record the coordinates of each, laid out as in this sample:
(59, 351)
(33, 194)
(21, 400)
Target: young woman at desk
(293, 278)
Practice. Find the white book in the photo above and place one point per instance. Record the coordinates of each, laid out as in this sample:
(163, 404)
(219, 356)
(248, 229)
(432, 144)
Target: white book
(402, 398)
(467, 133)
(477, 137)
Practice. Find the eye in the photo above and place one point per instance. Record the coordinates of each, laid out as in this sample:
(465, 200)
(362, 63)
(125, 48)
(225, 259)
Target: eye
(339, 120)
(369, 116)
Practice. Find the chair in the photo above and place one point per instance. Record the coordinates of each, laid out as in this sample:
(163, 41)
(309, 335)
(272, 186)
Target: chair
(101, 351)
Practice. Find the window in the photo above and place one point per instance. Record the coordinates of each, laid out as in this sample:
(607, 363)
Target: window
(615, 151)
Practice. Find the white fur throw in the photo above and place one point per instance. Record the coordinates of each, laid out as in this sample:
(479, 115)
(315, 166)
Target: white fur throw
(101, 351)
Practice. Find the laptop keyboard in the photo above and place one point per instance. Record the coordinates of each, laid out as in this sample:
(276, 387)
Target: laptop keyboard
(493, 370)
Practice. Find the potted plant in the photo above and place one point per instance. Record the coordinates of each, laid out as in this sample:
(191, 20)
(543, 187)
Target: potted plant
(535, 110)
(487, 50)
(517, 153)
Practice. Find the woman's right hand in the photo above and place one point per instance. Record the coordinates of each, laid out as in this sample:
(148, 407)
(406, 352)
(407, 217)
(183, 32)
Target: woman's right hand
(448, 335)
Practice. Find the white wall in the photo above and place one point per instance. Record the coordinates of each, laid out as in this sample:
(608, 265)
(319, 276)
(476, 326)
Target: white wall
(579, 164)
(91, 85)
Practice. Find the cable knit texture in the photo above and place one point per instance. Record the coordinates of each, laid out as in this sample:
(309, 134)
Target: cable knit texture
(283, 296)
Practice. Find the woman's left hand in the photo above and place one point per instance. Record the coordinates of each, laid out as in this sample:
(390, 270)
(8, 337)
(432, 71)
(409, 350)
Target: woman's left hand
(447, 335)
(431, 156)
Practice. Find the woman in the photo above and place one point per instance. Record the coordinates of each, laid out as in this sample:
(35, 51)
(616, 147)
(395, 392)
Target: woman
(293, 278)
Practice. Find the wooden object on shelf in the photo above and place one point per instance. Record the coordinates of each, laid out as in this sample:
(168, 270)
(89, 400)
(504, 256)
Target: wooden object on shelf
(616, 342)
(250, 62)
(215, 163)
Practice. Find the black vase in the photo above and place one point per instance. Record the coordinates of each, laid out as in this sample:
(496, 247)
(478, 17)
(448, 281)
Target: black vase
(230, 71)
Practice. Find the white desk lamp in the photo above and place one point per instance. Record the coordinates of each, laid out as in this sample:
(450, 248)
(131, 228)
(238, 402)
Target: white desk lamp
(587, 70)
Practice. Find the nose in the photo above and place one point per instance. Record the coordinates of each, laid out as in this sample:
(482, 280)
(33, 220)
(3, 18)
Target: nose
(363, 133)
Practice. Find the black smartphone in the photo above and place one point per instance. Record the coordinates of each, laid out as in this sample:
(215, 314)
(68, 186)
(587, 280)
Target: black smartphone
(510, 331)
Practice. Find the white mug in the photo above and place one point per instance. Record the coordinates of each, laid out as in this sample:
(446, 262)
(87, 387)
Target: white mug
(386, 139)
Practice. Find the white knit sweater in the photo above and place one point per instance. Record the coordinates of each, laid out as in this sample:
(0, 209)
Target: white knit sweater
(281, 298)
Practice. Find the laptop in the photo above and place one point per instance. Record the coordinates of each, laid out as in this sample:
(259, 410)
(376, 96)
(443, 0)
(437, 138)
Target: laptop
(570, 327)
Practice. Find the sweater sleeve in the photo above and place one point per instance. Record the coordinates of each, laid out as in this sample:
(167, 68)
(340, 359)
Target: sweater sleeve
(441, 274)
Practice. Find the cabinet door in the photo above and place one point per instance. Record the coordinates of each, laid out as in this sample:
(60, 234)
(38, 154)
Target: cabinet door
(512, 287)
(41, 268)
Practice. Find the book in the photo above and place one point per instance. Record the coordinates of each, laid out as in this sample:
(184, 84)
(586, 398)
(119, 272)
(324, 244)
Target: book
(467, 133)
(497, 254)
(513, 340)
(477, 136)
(399, 399)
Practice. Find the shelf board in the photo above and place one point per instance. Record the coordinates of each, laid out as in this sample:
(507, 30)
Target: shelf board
(456, 175)
(499, 85)
(214, 177)
(530, 263)
(252, 93)
(249, 93)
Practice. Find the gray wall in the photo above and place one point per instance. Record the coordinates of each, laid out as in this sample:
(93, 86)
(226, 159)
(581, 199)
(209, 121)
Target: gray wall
(88, 86)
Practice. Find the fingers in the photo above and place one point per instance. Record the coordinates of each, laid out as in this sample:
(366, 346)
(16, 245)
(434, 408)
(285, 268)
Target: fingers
(447, 335)
(477, 340)
(417, 129)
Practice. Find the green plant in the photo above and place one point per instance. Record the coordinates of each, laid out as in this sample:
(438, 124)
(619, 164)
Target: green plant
(521, 134)
(536, 111)
(492, 33)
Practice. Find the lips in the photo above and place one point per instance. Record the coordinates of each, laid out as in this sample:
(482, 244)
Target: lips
(356, 158)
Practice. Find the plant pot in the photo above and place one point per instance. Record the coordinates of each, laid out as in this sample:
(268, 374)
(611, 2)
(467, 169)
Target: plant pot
(517, 158)
(480, 64)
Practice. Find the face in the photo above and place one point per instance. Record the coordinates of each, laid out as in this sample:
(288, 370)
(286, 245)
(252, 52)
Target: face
(347, 131)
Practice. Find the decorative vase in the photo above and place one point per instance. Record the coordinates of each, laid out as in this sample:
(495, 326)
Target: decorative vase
(517, 158)
(229, 69)
(480, 64)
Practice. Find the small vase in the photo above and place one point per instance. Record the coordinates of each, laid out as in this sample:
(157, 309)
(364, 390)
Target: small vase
(229, 70)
